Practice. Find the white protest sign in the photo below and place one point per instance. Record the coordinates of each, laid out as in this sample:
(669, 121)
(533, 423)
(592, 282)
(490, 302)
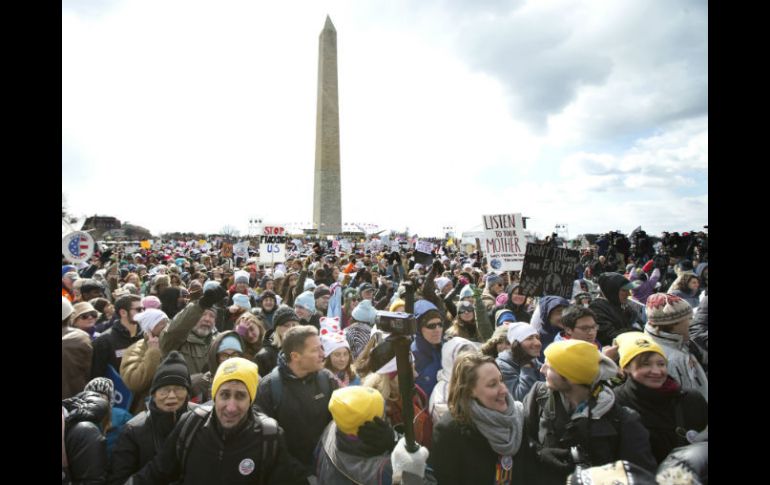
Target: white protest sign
(424, 247)
(272, 252)
(77, 247)
(504, 243)
(241, 249)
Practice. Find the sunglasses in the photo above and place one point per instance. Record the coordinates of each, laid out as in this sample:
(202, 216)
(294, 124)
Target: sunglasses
(88, 315)
(432, 326)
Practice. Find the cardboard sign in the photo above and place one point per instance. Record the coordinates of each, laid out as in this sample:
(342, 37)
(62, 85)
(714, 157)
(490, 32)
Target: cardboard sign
(227, 250)
(548, 271)
(424, 247)
(77, 247)
(504, 241)
(272, 252)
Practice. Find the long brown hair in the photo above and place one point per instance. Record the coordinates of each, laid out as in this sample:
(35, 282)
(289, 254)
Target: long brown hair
(464, 377)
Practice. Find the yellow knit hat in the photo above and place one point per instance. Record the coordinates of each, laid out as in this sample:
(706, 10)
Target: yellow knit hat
(631, 344)
(237, 369)
(353, 406)
(576, 360)
(397, 304)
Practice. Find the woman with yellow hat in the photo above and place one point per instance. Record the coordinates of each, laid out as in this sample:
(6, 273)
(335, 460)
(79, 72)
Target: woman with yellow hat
(673, 416)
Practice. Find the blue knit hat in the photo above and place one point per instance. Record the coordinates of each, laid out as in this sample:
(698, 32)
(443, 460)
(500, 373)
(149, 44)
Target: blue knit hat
(67, 268)
(365, 312)
(230, 342)
(306, 300)
(210, 284)
(242, 301)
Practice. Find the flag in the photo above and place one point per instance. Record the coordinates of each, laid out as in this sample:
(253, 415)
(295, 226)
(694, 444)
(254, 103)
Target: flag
(79, 245)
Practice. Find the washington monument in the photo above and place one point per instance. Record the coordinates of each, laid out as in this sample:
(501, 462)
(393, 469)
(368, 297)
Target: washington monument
(327, 212)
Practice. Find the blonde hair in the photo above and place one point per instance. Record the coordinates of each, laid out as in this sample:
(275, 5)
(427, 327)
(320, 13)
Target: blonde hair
(464, 378)
(386, 386)
(259, 322)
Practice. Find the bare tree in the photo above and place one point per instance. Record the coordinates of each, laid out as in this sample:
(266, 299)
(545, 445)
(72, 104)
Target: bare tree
(230, 231)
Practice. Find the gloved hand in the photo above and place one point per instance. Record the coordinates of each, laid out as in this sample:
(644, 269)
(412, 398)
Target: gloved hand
(105, 257)
(556, 458)
(212, 296)
(403, 461)
(378, 434)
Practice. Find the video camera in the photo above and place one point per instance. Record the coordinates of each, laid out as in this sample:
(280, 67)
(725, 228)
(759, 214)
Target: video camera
(398, 323)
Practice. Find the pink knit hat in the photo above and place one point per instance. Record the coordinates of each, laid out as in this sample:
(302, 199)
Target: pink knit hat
(151, 302)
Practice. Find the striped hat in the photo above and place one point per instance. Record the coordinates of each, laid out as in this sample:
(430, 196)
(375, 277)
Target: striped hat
(664, 309)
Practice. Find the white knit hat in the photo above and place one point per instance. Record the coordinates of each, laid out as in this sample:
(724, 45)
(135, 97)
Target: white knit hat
(150, 318)
(520, 331)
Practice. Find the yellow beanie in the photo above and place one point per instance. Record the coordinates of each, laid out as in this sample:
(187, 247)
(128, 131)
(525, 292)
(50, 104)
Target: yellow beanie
(237, 369)
(576, 360)
(397, 304)
(353, 406)
(631, 344)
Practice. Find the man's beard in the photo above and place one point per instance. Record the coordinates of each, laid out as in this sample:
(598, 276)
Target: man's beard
(202, 332)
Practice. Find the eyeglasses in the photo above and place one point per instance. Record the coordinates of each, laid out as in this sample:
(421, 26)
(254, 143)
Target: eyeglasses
(166, 390)
(137, 309)
(225, 356)
(88, 315)
(593, 328)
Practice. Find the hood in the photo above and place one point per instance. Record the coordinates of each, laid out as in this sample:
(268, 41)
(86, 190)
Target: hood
(700, 268)
(547, 305)
(86, 406)
(449, 353)
(610, 284)
(607, 369)
(212, 355)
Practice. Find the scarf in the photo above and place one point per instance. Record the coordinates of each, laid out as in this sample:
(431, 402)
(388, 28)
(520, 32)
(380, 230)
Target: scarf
(502, 430)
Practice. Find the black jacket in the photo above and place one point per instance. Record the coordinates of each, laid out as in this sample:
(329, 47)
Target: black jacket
(217, 457)
(109, 347)
(84, 443)
(267, 357)
(617, 435)
(303, 412)
(612, 318)
(461, 455)
(699, 327)
(140, 440)
(659, 414)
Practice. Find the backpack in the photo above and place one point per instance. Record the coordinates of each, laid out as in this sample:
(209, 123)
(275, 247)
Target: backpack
(267, 426)
(276, 386)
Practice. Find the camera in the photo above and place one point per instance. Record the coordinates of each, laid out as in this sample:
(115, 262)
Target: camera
(398, 323)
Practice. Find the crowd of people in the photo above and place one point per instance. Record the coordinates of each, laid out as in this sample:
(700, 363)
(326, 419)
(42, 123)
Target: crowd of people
(182, 366)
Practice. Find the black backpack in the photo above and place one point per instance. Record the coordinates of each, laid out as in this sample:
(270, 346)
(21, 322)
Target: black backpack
(267, 426)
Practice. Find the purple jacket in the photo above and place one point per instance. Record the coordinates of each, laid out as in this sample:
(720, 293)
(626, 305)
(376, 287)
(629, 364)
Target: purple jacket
(647, 288)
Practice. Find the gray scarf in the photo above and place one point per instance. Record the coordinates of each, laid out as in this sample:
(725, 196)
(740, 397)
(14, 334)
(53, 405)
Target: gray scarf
(502, 430)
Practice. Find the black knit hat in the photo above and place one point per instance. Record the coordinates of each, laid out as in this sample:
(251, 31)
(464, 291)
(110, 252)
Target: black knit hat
(172, 371)
(283, 315)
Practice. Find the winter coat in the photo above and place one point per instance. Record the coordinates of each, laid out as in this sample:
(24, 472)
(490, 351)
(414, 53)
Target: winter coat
(490, 301)
(540, 321)
(614, 433)
(427, 362)
(461, 455)
(109, 348)
(84, 443)
(178, 335)
(137, 370)
(647, 287)
(519, 380)
(142, 438)
(76, 356)
(267, 357)
(201, 383)
(214, 456)
(699, 327)
(612, 317)
(303, 412)
(667, 413)
(682, 365)
(343, 461)
(449, 352)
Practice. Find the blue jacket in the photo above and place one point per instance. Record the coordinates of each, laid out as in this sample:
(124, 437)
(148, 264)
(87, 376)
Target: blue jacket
(518, 380)
(427, 362)
(548, 332)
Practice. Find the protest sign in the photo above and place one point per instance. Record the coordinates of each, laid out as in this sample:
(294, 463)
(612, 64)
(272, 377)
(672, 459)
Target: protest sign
(145, 244)
(227, 250)
(424, 247)
(77, 247)
(241, 249)
(272, 252)
(273, 230)
(548, 271)
(505, 243)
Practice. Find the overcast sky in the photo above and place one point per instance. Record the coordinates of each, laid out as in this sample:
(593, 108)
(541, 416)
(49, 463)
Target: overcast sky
(192, 115)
